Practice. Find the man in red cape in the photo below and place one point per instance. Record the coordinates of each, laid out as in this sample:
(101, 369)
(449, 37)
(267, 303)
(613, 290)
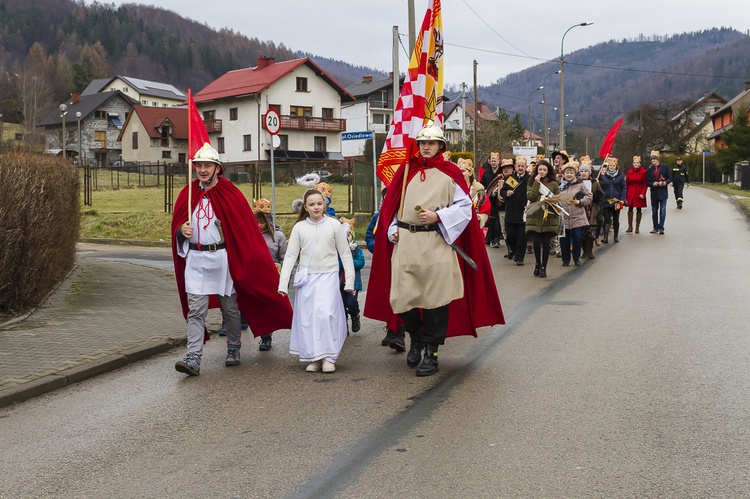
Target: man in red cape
(254, 275)
(479, 306)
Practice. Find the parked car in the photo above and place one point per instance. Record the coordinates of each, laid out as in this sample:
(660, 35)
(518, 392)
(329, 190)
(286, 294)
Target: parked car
(323, 174)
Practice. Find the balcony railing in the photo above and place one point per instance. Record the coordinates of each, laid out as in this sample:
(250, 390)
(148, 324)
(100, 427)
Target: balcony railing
(314, 124)
(213, 126)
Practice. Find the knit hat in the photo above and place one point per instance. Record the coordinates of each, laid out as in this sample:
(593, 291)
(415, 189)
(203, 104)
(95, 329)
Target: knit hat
(585, 168)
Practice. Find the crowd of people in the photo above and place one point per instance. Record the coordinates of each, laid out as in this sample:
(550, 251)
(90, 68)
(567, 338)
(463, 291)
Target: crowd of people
(430, 275)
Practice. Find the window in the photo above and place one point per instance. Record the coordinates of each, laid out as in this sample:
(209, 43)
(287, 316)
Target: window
(101, 138)
(275, 107)
(220, 145)
(300, 111)
(301, 84)
(182, 158)
(327, 113)
(209, 115)
(378, 118)
(101, 115)
(233, 114)
(165, 131)
(247, 142)
(144, 102)
(166, 154)
(155, 104)
(125, 89)
(164, 104)
(320, 144)
(283, 142)
(135, 140)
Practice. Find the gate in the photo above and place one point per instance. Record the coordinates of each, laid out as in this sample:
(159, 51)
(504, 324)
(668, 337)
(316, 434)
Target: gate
(363, 187)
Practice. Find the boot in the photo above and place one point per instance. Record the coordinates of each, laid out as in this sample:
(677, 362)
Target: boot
(429, 365)
(588, 249)
(630, 223)
(606, 234)
(414, 357)
(616, 227)
(537, 268)
(638, 217)
(542, 271)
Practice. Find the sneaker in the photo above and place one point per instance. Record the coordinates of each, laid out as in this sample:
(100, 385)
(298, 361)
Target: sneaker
(190, 365)
(265, 343)
(356, 324)
(314, 367)
(328, 366)
(223, 330)
(233, 357)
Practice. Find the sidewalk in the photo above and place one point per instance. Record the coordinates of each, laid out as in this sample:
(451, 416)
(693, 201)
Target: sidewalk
(105, 315)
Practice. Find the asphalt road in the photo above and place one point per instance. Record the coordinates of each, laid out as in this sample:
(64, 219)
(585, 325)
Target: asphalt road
(626, 377)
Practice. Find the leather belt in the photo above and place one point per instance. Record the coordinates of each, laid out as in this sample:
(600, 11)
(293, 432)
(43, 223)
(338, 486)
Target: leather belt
(208, 247)
(417, 228)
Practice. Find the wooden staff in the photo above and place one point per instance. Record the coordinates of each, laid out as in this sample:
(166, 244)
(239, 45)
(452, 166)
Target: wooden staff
(604, 165)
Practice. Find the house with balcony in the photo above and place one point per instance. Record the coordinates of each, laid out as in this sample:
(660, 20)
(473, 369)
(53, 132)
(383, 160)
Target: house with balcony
(695, 125)
(306, 98)
(144, 92)
(453, 122)
(371, 111)
(723, 118)
(155, 135)
(89, 123)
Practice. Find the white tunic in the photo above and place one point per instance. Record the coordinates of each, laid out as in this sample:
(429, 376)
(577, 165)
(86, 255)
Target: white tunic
(206, 272)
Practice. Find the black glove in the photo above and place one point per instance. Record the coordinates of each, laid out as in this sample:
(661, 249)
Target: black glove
(579, 195)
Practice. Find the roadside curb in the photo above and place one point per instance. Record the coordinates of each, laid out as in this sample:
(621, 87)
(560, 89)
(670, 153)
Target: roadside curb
(50, 383)
(125, 242)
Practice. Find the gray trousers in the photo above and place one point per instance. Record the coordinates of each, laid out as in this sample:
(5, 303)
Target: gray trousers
(196, 321)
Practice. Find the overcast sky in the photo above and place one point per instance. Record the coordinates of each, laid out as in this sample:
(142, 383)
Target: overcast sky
(503, 37)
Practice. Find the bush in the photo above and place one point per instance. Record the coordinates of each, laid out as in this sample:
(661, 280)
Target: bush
(39, 225)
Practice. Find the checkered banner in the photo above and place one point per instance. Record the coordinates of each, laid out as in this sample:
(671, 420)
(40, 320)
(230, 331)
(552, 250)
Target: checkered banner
(421, 97)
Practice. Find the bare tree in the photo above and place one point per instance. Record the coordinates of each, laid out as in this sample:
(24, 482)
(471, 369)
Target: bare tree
(34, 95)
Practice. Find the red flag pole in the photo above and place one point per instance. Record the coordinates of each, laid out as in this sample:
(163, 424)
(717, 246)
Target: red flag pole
(604, 165)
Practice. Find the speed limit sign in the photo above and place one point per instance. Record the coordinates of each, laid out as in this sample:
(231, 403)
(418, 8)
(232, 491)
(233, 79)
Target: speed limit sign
(272, 121)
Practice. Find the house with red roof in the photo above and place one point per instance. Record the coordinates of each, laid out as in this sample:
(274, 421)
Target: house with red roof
(307, 99)
(155, 134)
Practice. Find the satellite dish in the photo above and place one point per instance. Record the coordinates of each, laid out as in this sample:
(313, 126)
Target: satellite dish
(275, 141)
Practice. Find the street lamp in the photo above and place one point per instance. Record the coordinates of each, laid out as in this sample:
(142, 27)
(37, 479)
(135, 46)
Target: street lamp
(530, 123)
(562, 84)
(544, 110)
(78, 117)
(64, 111)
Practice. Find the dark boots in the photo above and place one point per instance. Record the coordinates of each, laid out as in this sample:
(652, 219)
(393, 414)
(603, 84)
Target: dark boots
(616, 227)
(414, 357)
(588, 249)
(429, 365)
(606, 234)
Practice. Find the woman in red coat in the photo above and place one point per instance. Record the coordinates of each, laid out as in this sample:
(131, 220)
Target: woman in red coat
(636, 193)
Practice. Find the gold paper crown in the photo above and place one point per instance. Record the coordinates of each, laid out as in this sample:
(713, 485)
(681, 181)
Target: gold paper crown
(507, 162)
(585, 160)
(263, 205)
(612, 160)
(349, 221)
(325, 189)
(520, 160)
(636, 159)
(571, 164)
(655, 154)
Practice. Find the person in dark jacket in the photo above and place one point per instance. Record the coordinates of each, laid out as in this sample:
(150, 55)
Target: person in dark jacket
(658, 178)
(514, 193)
(613, 185)
(679, 179)
(494, 232)
(542, 225)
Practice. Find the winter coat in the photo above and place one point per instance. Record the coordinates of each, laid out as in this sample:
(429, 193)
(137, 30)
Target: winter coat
(536, 222)
(613, 187)
(577, 212)
(636, 187)
(516, 203)
(659, 193)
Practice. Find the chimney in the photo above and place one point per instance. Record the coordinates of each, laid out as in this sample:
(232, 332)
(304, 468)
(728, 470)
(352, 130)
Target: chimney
(74, 98)
(367, 79)
(264, 62)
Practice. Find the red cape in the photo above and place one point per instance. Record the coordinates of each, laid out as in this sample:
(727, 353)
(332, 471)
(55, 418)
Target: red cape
(250, 264)
(480, 305)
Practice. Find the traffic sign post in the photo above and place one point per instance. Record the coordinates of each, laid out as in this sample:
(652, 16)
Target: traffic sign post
(272, 124)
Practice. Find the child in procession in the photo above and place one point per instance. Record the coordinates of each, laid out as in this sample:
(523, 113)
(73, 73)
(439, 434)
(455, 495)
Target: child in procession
(319, 321)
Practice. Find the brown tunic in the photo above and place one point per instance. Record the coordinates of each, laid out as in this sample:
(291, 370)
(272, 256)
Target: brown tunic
(424, 271)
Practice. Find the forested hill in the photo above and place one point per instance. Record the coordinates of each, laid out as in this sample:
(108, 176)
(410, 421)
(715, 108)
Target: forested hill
(609, 79)
(66, 44)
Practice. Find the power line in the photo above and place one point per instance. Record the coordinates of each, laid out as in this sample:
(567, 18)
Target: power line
(493, 29)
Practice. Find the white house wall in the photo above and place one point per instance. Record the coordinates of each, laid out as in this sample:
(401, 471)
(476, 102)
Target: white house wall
(144, 100)
(357, 120)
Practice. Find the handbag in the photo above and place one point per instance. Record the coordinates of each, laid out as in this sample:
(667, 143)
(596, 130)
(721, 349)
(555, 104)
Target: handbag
(302, 275)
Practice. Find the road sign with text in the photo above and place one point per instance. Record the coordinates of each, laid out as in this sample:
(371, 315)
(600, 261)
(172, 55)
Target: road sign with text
(356, 135)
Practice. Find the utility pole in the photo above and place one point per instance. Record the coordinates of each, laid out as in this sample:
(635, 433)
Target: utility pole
(476, 105)
(412, 28)
(395, 68)
(463, 117)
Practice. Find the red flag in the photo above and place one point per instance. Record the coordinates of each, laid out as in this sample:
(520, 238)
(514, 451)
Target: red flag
(609, 140)
(197, 134)
(421, 97)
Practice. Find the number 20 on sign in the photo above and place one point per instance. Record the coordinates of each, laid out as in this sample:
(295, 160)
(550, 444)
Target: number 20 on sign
(272, 122)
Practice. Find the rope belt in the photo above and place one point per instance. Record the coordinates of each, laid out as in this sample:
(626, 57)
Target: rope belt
(208, 247)
(417, 228)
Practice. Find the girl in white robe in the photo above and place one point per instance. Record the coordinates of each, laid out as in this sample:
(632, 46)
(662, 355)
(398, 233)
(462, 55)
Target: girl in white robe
(319, 322)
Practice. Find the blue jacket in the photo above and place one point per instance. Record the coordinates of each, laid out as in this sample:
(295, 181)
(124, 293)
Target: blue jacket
(359, 263)
(614, 188)
(370, 234)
